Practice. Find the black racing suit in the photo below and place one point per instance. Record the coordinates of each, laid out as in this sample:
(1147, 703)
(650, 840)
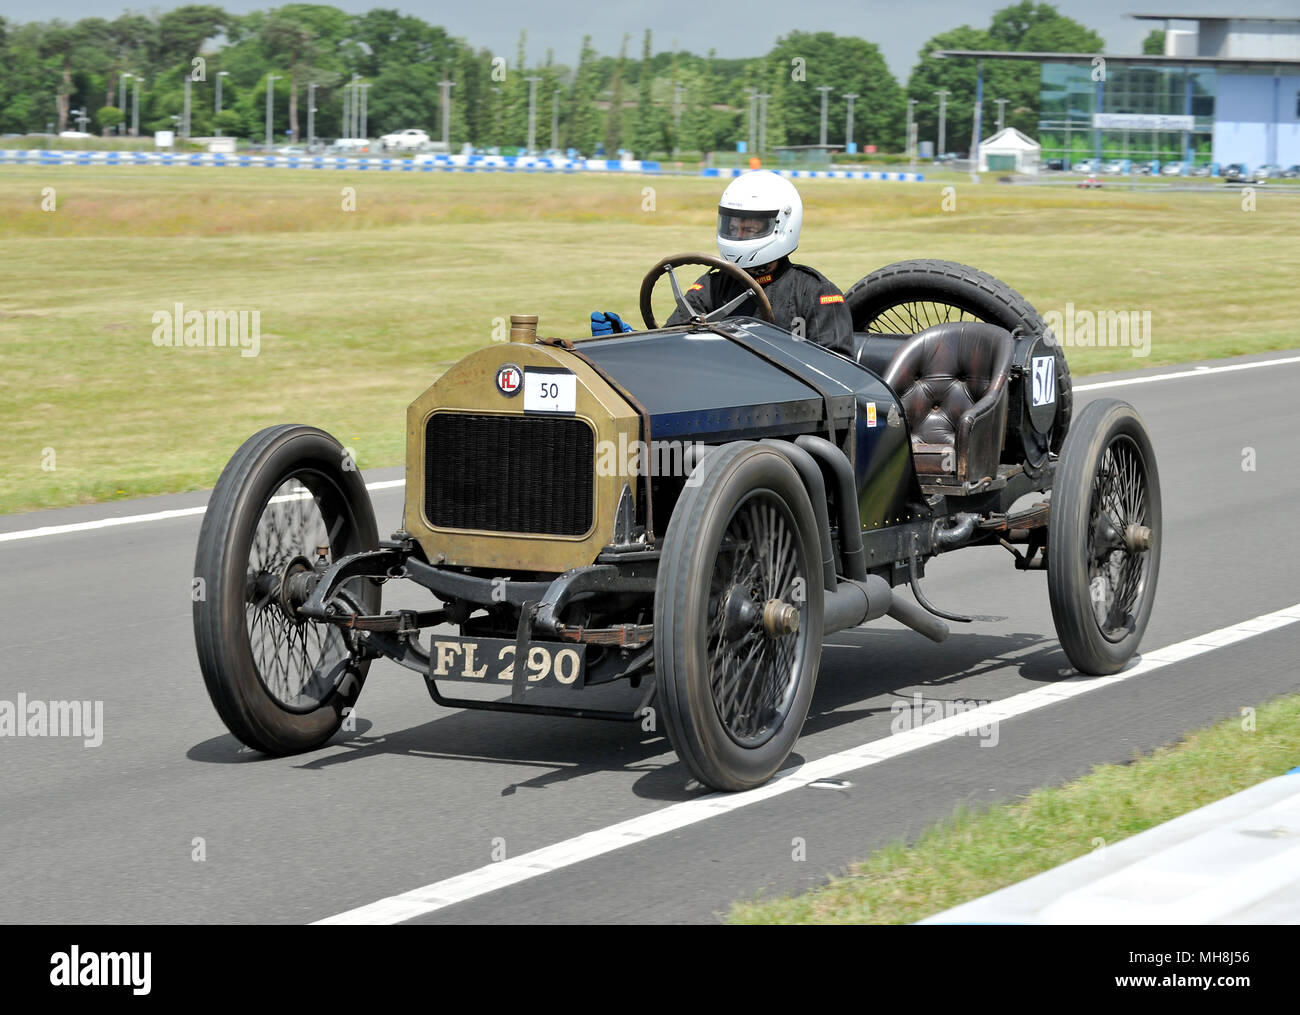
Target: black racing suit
(803, 300)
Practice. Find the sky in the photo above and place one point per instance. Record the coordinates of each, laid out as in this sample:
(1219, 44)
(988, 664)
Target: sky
(736, 29)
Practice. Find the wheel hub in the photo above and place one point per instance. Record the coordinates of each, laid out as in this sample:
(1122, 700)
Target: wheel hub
(1137, 538)
(742, 616)
(779, 619)
(295, 586)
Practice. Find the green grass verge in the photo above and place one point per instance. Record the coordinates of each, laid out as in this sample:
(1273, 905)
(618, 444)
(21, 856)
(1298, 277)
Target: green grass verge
(974, 853)
(361, 310)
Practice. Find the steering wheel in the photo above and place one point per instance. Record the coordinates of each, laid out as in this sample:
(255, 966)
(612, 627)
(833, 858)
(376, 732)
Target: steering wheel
(666, 266)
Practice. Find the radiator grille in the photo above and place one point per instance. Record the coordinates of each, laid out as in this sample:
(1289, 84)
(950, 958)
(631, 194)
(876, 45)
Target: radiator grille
(531, 474)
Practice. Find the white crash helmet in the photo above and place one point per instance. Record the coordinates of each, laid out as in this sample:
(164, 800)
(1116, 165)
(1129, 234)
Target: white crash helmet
(759, 217)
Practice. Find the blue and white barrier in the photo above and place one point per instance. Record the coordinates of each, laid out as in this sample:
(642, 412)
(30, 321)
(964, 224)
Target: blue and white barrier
(381, 163)
(387, 164)
(826, 174)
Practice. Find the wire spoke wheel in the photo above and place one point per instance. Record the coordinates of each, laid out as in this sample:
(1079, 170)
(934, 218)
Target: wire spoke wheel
(299, 662)
(1116, 573)
(1104, 537)
(738, 617)
(912, 316)
(281, 683)
(752, 673)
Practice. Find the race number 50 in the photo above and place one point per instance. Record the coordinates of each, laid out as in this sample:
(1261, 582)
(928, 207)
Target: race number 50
(550, 391)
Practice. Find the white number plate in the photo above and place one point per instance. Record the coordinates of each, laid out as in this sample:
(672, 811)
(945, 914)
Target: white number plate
(550, 390)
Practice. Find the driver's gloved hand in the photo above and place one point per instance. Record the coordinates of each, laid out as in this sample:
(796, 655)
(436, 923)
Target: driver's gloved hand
(606, 322)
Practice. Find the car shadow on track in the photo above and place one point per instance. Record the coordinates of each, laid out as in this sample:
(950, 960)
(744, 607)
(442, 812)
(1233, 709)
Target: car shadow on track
(540, 752)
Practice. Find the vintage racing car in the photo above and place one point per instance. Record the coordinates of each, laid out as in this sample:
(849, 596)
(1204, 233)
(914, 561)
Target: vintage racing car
(689, 510)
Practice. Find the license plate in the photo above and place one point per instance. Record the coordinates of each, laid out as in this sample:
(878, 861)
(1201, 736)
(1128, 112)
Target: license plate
(492, 661)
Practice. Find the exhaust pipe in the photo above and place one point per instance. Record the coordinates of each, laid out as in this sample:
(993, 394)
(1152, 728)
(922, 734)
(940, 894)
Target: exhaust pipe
(910, 615)
(856, 602)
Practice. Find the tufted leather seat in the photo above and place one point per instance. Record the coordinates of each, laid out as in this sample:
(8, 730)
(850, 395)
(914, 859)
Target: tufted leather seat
(952, 382)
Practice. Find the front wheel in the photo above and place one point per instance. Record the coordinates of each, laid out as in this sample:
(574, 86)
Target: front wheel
(1104, 537)
(738, 617)
(289, 497)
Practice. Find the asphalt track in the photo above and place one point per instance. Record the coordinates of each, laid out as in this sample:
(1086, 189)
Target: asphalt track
(419, 795)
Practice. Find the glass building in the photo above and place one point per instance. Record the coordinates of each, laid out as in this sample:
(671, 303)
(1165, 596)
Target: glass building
(1070, 96)
(1226, 89)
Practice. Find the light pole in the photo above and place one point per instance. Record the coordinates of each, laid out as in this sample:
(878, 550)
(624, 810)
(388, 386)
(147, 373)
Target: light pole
(977, 123)
(762, 121)
(943, 94)
(311, 115)
(185, 117)
(753, 102)
(271, 79)
(121, 101)
(848, 123)
(217, 103)
(1002, 106)
(555, 120)
(678, 88)
(822, 135)
(135, 108)
(532, 112)
(350, 105)
(911, 154)
(447, 86)
(365, 92)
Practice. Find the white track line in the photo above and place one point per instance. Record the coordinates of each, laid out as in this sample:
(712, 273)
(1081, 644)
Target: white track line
(155, 516)
(475, 883)
(158, 516)
(1194, 372)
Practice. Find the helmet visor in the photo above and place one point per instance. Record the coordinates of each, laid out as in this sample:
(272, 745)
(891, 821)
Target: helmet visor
(744, 224)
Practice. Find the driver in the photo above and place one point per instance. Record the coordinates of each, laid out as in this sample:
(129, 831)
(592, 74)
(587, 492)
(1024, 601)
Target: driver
(759, 217)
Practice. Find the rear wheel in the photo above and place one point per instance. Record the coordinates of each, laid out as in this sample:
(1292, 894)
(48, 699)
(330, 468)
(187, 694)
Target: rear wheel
(738, 617)
(280, 683)
(1104, 536)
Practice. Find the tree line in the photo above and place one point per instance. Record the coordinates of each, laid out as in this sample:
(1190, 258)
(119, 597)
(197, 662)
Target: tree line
(664, 100)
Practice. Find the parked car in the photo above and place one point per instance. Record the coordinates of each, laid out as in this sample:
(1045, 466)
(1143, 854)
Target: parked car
(1201, 170)
(1086, 166)
(1054, 165)
(1116, 167)
(1291, 172)
(410, 140)
(1267, 170)
(1173, 169)
(352, 145)
(797, 500)
(1237, 172)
